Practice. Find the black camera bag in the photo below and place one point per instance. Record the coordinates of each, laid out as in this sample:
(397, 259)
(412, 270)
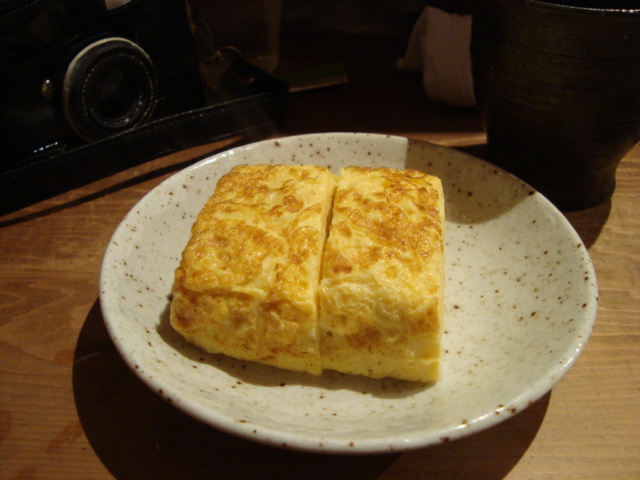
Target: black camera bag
(247, 103)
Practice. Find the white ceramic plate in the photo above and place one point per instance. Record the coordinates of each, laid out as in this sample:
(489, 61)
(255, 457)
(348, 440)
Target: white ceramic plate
(521, 300)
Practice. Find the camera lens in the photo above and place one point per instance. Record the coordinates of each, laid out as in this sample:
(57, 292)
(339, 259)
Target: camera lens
(109, 87)
(116, 92)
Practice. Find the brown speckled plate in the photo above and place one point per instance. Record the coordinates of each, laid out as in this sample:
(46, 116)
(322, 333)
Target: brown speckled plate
(521, 300)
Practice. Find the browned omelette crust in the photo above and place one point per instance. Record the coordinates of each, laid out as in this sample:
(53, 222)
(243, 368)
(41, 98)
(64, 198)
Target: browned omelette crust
(247, 283)
(381, 295)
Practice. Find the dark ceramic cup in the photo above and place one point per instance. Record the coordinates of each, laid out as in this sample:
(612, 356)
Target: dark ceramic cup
(557, 83)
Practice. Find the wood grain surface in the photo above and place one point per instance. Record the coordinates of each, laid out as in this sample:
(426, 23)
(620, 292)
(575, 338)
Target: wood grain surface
(71, 409)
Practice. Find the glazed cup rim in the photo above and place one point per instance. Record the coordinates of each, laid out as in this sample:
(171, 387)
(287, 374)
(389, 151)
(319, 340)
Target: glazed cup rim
(565, 5)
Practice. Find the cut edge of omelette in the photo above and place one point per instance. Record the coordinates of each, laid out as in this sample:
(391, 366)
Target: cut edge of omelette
(382, 291)
(240, 288)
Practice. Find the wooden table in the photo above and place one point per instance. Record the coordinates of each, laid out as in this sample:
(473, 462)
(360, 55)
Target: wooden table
(71, 409)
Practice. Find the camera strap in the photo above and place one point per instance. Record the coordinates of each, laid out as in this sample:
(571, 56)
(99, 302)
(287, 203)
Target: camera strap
(251, 105)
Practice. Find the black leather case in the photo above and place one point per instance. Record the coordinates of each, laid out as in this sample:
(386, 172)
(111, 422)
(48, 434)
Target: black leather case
(34, 36)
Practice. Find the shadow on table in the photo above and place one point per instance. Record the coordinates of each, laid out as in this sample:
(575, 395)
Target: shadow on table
(137, 435)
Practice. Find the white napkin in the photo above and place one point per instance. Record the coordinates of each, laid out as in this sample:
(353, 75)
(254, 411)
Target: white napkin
(111, 4)
(439, 46)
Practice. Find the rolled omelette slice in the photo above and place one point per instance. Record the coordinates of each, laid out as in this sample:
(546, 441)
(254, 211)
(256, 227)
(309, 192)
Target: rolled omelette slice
(247, 283)
(382, 289)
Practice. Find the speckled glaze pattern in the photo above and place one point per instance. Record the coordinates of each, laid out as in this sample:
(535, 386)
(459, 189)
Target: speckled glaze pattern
(521, 300)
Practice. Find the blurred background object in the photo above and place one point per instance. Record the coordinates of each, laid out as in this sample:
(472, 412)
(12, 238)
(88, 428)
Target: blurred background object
(439, 47)
(558, 84)
(251, 27)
